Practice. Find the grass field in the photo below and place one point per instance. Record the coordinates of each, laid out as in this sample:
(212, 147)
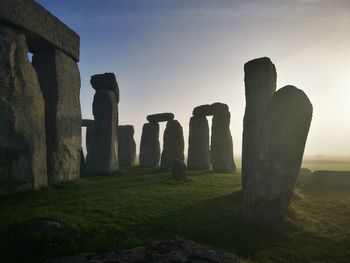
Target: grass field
(137, 206)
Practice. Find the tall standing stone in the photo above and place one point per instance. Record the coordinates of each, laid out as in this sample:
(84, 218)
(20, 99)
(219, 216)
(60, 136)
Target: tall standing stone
(103, 156)
(150, 146)
(221, 148)
(22, 121)
(198, 144)
(260, 85)
(126, 145)
(269, 188)
(173, 144)
(59, 79)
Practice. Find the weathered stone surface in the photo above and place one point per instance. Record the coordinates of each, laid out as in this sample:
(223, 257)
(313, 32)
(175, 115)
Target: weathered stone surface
(173, 144)
(126, 145)
(179, 170)
(198, 144)
(150, 146)
(59, 79)
(87, 123)
(270, 186)
(40, 27)
(167, 251)
(260, 85)
(221, 148)
(103, 149)
(160, 117)
(106, 81)
(22, 121)
(203, 110)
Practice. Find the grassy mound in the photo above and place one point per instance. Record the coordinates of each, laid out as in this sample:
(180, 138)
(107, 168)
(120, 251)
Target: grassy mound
(105, 212)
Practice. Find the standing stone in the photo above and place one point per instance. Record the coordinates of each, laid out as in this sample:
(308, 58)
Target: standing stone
(150, 146)
(221, 149)
(173, 144)
(126, 146)
(59, 79)
(103, 152)
(179, 170)
(283, 136)
(22, 120)
(198, 144)
(260, 85)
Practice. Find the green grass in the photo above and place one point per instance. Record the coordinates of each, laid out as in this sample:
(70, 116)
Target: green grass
(101, 213)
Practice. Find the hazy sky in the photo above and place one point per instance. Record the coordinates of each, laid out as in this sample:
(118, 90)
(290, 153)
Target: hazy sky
(173, 55)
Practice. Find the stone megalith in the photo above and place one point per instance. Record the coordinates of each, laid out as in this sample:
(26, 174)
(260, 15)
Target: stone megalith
(173, 144)
(221, 148)
(126, 146)
(103, 156)
(59, 79)
(179, 170)
(150, 146)
(198, 144)
(260, 85)
(283, 135)
(22, 117)
(203, 110)
(160, 117)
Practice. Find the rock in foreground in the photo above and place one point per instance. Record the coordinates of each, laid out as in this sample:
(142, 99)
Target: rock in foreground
(171, 251)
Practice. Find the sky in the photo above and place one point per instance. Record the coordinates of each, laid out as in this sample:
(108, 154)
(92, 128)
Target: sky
(171, 56)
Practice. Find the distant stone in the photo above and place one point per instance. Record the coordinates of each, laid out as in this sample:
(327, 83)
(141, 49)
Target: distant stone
(42, 225)
(59, 79)
(160, 117)
(87, 123)
(103, 149)
(179, 170)
(173, 144)
(221, 148)
(106, 81)
(150, 146)
(82, 161)
(331, 180)
(269, 188)
(304, 175)
(203, 110)
(126, 146)
(22, 117)
(219, 108)
(167, 251)
(260, 86)
(198, 144)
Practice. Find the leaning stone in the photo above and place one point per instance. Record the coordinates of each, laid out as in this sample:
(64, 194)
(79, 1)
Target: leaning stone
(203, 110)
(157, 252)
(160, 117)
(173, 144)
(150, 146)
(22, 117)
(221, 148)
(126, 146)
(59, 79)
(40, 27)
(179, 170)
(269, 188)
(103, 152)
(260, 85)
(87, 123)
(106, 81)
(198, 144)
